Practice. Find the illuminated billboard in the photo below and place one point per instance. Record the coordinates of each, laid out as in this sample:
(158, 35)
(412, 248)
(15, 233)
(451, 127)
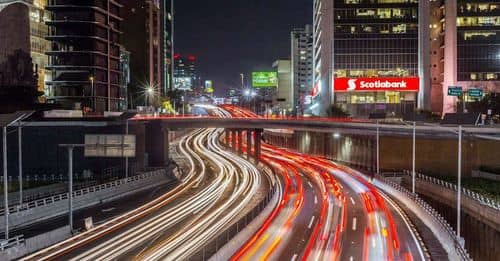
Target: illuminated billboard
(183, 83)
(264, 79)
(376, 84)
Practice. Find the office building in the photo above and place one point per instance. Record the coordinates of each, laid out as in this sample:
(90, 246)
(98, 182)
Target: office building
(167, 18)
(142, 37)
(471, 49)
(302, 67)
(285, 93)
(84, 60)
(370, 56)
(185, 73)
(147, 35)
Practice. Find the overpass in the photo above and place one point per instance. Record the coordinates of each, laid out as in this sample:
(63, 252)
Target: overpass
(311, 124)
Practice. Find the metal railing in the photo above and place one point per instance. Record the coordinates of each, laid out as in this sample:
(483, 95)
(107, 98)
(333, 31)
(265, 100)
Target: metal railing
(433, 213)
(229, 233)
(470, 194)
(11, 242)
(81, 192)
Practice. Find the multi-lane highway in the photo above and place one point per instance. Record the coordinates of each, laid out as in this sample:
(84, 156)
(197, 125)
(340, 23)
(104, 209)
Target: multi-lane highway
(349, 219)
(218, 188)
(326, 211)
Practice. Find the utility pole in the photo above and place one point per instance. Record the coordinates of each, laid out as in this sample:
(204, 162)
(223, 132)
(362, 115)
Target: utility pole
(5, 185)
(413, 174)
(459, 193)
(20, 161)
(378, 148)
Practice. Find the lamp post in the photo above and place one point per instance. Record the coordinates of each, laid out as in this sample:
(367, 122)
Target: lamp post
(91, 79)
(149, 93)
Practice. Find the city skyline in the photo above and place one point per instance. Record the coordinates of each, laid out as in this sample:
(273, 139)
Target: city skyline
(233, 37)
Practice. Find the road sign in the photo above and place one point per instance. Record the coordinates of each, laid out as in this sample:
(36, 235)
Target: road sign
(110, 146)
(455, 91)
(475, 93)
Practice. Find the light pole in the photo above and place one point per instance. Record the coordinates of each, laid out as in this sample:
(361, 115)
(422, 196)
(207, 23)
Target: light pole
(20, 161)
(254, 95)
(459, 193)
(91, 78)
(5, 185)
(378, 148)
(149, 93)
(413, 174)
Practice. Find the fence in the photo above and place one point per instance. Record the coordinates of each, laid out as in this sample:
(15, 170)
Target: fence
(84, 191)
(466, 192)
(11, 242)
(224, 237)
(445, 226)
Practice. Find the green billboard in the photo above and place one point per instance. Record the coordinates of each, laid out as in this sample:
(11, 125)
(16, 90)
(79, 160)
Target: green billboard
(264, 79)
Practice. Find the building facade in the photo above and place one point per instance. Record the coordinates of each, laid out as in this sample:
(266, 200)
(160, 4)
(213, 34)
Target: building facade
(369, 56)
(185, 73)
(472, 49)
(302, 68)
(84, 60)
(167, 27)
(284, 101)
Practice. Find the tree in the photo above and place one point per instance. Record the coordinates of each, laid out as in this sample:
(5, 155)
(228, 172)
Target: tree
(337, 112)
(490, 101)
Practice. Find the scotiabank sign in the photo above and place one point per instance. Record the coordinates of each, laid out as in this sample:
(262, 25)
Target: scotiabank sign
(376, 84)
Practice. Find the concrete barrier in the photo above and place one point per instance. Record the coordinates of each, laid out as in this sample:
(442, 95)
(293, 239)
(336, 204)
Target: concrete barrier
(48, 208)
(35, 243)
(485, 175)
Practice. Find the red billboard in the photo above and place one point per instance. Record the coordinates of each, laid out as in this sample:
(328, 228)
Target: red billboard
(376, 84)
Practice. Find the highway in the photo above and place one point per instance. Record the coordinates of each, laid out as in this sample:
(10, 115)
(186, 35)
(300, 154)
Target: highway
(349, 218)
(326, 211)
(218, 187)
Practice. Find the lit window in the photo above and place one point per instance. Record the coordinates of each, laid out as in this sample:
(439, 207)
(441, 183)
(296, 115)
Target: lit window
(491, 76)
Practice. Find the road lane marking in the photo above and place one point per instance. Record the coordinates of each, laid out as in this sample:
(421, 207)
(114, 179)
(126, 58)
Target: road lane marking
(351, 258)
(311, 222)
(310, 184)
(354, 223)
(316, 200)
(353, 202)
(294, 257)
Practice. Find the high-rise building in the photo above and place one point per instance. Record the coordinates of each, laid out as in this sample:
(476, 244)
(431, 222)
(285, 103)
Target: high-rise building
(302, 67)
(471, 49)
(285, 92)
(185, 73)
(84, 61)
(167, 17)
(370, 56)
(436, 26)
(23, 31)
(148, 36)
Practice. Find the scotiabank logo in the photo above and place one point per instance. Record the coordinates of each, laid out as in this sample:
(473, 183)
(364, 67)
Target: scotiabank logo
(376, 84)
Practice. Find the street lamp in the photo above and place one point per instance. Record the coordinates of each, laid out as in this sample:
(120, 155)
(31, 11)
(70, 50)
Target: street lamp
(91, 79)
(149, 93)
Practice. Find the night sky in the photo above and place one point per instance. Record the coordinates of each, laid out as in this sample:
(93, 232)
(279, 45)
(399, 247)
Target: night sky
(234, 36)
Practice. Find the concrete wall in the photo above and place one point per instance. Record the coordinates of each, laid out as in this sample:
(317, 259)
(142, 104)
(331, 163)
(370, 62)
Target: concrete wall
(436, 156)
(35, 243)
(480, 224)
(109, 193)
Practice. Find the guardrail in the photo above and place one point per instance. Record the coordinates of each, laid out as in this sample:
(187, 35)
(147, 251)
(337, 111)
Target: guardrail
(224, 237)
(466, 192)
(11, 242)
(433, 213)
(84, 191)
